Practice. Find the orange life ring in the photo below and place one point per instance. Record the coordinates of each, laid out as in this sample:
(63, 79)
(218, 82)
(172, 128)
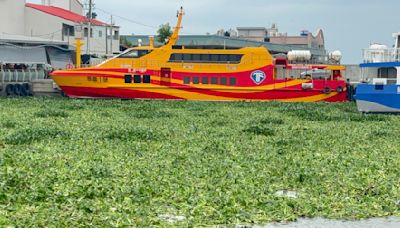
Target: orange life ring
(69, 66)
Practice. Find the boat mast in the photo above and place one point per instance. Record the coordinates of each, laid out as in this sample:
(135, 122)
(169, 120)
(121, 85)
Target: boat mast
(175, 36)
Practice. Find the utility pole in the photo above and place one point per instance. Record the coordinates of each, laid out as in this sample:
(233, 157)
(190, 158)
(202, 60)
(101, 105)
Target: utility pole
(111, 36)
(106, 35)
(89, 27)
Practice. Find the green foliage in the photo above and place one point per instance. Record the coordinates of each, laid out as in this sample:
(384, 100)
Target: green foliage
(164, 32)
(125, 42)
(120, 163)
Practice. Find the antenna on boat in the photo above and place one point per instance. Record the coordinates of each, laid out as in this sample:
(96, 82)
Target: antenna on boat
(174, 37)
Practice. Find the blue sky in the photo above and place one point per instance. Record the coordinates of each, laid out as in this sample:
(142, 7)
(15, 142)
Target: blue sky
(348, 25)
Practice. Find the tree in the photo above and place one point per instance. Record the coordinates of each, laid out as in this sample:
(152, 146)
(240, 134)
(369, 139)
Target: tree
(125, 42)
(164, 32)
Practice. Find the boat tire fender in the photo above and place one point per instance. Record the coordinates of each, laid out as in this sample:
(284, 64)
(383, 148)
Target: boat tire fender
(27, 89)
(327, 90)
(10, 90)
(18, 90)
(339, 89)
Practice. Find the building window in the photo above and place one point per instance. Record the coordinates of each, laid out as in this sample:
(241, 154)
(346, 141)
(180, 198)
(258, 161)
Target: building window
(232, 81)
(100, 33)
(68, 30)
(214, 80)
(116, 35)
(223, 81)
(146, 79)
(137, 79)
(85, 32)
(204, 80)
(196, 80)
(186, 80)
(128, 79)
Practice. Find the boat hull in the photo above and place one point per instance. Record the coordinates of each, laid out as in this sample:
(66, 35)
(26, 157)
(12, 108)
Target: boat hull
(109, 83)
(378, 98)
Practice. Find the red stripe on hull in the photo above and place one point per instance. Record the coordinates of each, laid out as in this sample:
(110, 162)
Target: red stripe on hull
(83, 92)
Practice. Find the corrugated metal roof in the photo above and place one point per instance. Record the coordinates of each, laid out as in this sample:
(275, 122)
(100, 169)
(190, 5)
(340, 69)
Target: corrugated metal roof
(6, 38)
(65, 14)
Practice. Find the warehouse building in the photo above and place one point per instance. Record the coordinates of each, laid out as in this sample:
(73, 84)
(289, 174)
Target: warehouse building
(50, 29)
(223, 42)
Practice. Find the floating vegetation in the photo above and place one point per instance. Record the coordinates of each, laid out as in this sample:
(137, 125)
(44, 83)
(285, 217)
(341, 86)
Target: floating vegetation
(113, 163)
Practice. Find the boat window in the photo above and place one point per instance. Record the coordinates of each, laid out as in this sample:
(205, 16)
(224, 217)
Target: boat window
(214, 80)
(137, 79)
(196, 80)
(176, 58)
(146, 79)
(232, 81)
(223, 58)
(196, 57)
(205, 58)
(186, 80)
(379, 87)
(187, 57)
(132, 54)
(223, 81)
(204, 80)
(234, 58)
(128, 78)
(214, 58)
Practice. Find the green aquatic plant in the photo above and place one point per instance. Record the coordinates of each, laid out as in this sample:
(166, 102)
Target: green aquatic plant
(69, 163)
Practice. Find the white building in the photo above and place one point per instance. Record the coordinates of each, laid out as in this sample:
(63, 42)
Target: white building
(259, 34)
(58, 20)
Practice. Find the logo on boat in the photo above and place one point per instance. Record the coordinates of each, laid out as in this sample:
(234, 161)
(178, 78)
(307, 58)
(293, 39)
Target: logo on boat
(258, 77)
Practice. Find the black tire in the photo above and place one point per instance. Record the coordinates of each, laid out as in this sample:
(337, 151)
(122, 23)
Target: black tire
(28, 89)
(23, 91)
(18, 89)
(339, 89)
(63, 94)
(327, 90)
(10, 89)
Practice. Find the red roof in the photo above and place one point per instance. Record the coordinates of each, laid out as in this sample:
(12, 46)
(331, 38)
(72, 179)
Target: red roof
(65, 14)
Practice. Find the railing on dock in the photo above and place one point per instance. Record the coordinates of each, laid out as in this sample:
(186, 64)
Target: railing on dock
(22, 75)
(381, 55)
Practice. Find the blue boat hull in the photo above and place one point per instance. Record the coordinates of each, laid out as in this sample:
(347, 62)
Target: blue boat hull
(378, 98)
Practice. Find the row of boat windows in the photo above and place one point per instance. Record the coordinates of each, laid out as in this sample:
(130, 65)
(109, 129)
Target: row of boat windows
(146, 79)
(209, 80)
(133, 54)
(206, 58)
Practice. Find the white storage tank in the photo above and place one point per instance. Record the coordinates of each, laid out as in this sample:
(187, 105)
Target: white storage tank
(377, 53)
(299, 55)
(336, 56)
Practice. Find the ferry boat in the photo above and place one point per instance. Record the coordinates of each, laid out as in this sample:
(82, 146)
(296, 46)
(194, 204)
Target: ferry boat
(172, 72)
(380, 93)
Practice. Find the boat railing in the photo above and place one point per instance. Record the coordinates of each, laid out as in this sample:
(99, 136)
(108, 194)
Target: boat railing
(381, 55)
(8, 75)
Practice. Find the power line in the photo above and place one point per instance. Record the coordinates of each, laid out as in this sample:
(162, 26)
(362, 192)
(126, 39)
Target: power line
(127, 19)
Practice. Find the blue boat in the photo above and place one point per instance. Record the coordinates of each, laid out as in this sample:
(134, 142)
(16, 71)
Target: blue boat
(381, 70)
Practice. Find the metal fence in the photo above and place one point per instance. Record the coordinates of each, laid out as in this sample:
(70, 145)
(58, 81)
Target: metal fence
(22, 75)
(381, 55)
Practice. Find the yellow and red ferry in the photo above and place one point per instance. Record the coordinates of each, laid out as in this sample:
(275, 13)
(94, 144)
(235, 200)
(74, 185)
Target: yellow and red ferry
(168, 72)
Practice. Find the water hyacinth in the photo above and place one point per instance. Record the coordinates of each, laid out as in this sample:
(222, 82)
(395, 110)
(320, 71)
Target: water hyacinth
(66, 162)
